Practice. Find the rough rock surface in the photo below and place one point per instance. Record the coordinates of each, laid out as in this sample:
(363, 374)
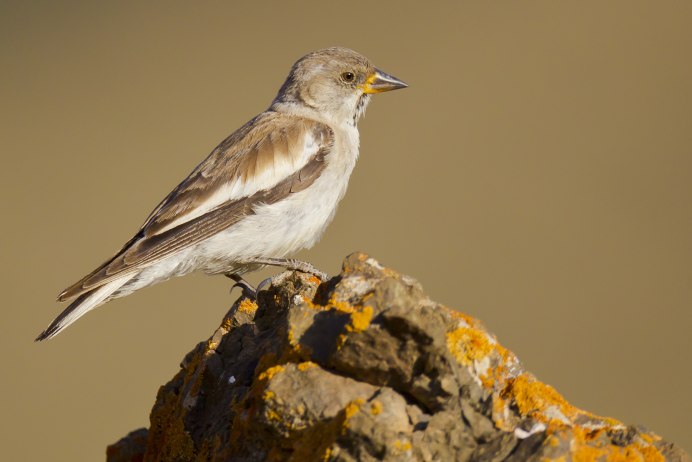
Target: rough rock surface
(366, 367)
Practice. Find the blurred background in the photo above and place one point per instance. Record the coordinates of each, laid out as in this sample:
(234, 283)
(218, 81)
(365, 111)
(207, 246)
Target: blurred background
(537, 174)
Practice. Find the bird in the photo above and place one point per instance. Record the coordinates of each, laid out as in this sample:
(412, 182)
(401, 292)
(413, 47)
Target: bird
(265, 192)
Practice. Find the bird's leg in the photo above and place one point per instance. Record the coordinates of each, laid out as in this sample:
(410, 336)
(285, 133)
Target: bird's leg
(289, 264)
(264, 282)
(248, 291)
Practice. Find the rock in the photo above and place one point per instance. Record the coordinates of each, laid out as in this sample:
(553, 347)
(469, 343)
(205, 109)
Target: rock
(366, 367)
(130, 448)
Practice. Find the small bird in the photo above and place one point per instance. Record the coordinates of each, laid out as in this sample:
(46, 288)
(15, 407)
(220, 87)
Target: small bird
(267, 191)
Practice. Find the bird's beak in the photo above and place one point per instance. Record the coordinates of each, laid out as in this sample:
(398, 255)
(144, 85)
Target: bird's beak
(378, 81)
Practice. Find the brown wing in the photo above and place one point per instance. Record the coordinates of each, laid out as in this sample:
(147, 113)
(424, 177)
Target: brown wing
(269, 143)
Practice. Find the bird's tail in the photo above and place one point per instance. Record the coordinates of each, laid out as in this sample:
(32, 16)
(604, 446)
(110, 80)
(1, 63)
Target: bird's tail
(81, 305)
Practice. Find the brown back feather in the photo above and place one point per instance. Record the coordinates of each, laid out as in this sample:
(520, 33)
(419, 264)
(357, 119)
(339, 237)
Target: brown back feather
(244, 154)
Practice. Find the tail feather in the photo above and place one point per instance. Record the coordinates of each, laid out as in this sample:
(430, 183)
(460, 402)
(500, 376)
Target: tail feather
(81, 305)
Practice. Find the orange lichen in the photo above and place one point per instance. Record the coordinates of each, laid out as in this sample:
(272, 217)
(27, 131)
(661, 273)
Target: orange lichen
(332, 304)
(402, 446)
(304, 366)
(532, 397)
(310, 304)
(499, 409)
(536, 399)
(292, 338)
(650, 453)
(227, 324)
(586, 453)
(352, 409)
(296, 351)
(247, 306)
(314, 279)
(375, 408)
(340, 340)
(273, 415)
(468, 345)
(553, 441)
(462, 316)
(583, 452)
(270, 372)
(339, 306)
(494, 375)
(211, 345)
(360, 320)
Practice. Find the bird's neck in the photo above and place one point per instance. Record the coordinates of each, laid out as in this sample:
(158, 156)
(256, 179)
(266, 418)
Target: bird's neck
(344, 116)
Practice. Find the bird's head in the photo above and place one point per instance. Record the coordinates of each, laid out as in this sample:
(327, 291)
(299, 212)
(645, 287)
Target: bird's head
(336, 83)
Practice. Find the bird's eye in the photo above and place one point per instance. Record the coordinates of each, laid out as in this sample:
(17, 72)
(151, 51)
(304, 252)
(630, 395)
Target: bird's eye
(348, 76)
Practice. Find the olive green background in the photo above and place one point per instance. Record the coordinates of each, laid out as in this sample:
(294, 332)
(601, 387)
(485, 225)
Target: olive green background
(537, 174)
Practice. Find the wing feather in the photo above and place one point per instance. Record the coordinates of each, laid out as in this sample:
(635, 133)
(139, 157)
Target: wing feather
(264, 161)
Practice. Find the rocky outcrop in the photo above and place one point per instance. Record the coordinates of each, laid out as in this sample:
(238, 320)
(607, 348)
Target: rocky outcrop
(366, 367)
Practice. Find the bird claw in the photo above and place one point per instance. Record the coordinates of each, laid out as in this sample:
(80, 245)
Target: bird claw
(264, 282)
(290, 264)
(247, 290)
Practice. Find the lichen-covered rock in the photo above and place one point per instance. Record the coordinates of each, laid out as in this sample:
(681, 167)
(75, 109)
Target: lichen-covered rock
(366, 367)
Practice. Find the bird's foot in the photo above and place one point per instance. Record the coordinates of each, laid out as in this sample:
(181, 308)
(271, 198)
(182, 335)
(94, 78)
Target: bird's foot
(265, 282)
(290, 264)
(246, 288)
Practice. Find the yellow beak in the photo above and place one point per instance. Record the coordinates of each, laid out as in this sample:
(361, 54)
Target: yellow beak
(378, 82)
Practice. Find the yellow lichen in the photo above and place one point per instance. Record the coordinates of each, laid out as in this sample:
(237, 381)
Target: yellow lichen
(586, 453)
(375, 407)
(340, 340)
(352, 409)
(531, 396)
(494, 375)
(553, 441)
(468, 345)
(310, 304)
(339, 306)
(360, 320)
(268, 395)
(270, 372)
(402, 446)
(534, 398)
(499, 408)
(558, 459)
(314, 279)
(471, 322)
(583, 452)
(211, 345)
(292, 338)
(332, 304)
(304, 366)
(651, 454)
(273, 415)
(585, 444)
(247, 306)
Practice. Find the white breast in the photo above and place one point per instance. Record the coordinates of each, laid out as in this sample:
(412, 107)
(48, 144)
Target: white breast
(292, 224)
